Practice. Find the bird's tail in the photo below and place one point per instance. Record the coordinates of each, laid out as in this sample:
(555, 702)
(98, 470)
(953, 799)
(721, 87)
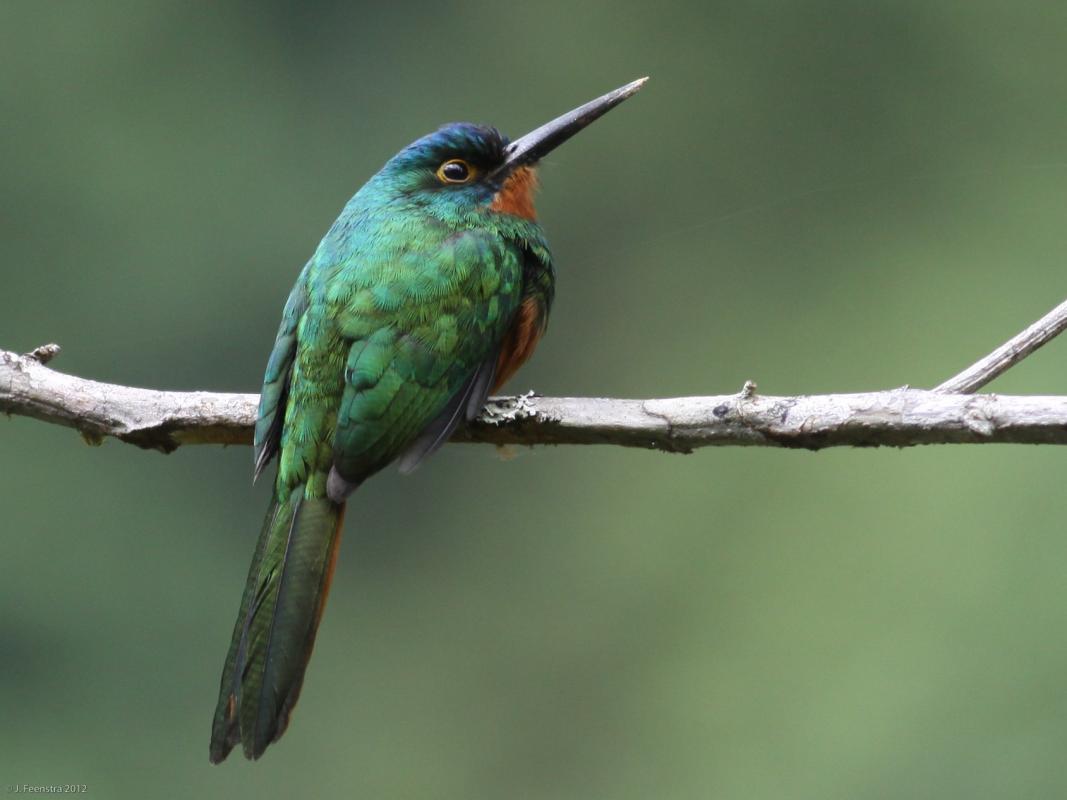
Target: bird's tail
(275, 631)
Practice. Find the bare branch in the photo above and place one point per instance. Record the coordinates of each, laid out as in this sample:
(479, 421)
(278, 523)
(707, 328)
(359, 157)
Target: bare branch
(147, 418)
(1008, 354)
(899, 418)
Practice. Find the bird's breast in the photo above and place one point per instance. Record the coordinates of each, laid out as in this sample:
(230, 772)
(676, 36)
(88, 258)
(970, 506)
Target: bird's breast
(521, 339)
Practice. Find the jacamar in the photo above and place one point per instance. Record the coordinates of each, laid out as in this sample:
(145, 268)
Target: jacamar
(428, 292)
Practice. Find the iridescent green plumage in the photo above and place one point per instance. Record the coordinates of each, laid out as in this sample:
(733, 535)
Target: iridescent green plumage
(423, 292)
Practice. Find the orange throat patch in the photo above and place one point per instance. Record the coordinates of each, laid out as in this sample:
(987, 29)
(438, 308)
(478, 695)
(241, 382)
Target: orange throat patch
(517, 194)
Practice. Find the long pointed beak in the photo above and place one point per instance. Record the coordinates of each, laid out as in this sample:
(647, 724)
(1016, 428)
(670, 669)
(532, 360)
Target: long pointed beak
(539, 142)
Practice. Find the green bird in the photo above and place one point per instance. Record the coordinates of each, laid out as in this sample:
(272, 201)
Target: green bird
(428, 292)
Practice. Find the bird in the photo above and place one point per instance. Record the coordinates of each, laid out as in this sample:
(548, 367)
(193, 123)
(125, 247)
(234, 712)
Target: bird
(428, 292)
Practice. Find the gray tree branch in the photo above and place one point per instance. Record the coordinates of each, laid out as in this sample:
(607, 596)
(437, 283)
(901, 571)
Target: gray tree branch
(898, 418)
(1008, 354)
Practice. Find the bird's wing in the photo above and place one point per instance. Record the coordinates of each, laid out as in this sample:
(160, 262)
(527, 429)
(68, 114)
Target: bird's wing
(275, 391)
(517, 344)
(463, 406)
(425, 330)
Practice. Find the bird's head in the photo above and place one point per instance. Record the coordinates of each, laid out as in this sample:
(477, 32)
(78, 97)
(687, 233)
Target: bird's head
(464, 169)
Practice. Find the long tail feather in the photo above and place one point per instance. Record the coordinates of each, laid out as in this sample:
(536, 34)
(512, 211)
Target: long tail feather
(275, 631)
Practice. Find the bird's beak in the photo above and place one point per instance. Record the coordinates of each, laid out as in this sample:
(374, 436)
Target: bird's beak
(539, 142)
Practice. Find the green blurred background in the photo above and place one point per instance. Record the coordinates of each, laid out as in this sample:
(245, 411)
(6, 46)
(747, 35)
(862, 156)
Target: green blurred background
(819, 196)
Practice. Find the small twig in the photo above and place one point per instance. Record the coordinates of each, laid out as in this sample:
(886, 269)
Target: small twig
(44, 353)
(1008, 354)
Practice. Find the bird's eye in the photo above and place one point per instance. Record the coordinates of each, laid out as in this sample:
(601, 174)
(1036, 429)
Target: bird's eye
(455, 170)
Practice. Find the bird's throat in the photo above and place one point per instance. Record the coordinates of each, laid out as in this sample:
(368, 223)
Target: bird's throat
(516, 196)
